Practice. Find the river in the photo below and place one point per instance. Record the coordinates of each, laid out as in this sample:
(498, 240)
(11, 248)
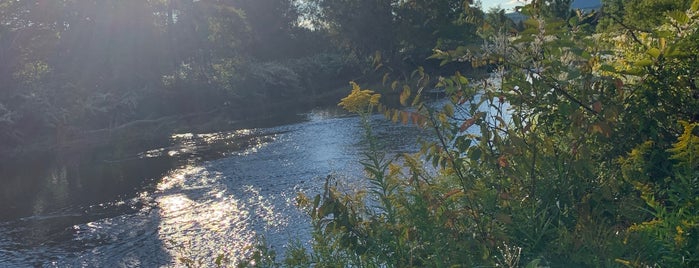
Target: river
(194, 196)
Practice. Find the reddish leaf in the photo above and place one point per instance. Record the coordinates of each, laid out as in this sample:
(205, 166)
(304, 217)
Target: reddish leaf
(618, 83)
(404, 118)
(502, 161)
(415, 118)
(468, 123)
(597, 106)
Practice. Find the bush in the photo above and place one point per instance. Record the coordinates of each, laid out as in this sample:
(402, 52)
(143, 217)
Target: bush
(567, 156)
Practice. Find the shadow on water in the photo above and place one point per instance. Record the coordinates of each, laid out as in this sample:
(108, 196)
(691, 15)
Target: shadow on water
(44, 196)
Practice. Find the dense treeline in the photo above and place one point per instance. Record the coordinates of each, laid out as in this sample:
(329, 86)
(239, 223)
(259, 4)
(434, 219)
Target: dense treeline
(75, 66)
(579, 151)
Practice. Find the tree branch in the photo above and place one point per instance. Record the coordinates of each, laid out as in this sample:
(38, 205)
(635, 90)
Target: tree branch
(631, 31)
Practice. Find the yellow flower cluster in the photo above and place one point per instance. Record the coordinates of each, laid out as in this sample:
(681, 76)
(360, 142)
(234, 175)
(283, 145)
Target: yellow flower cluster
(679, 237)
(360, 101)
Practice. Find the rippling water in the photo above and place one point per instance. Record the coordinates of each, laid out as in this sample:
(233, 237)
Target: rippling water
(200, 196)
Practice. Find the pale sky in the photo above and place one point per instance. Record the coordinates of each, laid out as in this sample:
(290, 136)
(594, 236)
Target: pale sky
(508, 5)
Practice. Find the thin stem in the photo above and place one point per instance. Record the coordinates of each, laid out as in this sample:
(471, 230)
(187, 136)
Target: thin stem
(457, 169)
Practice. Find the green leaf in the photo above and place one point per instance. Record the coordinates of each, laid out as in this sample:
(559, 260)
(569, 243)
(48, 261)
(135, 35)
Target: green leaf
(607, 68)
(679, 16)
(586, 55)
(219, 260)
(462, 143)
(644, 63)
(448, 110)
(386, 76)
(416, 100)
(533, 264)
(664, 34)
(444, 62)
(463, 80)
(635, 71)
(573, 21)
(517, 120)
(654, 52)
(474, 154)
(530, 22)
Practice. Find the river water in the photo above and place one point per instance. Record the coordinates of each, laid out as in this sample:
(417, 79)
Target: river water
(194, 196)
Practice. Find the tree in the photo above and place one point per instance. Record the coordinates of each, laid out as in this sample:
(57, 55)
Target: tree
(424, 25)
(550, 8)
(363, 27)
(272, 26)
(641, 15)
(403, 32)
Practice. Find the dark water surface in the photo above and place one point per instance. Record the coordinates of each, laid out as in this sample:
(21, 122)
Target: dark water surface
(194, 196)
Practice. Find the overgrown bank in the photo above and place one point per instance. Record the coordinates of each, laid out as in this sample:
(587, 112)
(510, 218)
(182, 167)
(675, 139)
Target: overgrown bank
(584, 156)
(133, 136)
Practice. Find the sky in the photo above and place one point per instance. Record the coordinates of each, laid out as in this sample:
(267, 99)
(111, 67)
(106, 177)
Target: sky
(508, 5)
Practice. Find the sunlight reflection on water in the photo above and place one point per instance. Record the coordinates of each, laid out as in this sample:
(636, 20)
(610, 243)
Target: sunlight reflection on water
(200, 218)
(198, 211)
(196, 214)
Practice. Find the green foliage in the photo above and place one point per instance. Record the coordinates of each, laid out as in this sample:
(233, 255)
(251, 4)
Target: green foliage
(396, 229)
(669, 237)
(272, 24)
(642, 14)
(402, 32)
(269, 78)
(423, 25)
(550, 9)
(261, 256)
(570, 154)
(322, 71)
(359, 26)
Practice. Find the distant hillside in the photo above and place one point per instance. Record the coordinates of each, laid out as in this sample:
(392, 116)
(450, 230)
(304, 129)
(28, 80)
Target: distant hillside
(586, 4)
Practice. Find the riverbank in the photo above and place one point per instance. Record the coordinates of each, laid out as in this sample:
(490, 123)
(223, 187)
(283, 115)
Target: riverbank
(131, 135)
